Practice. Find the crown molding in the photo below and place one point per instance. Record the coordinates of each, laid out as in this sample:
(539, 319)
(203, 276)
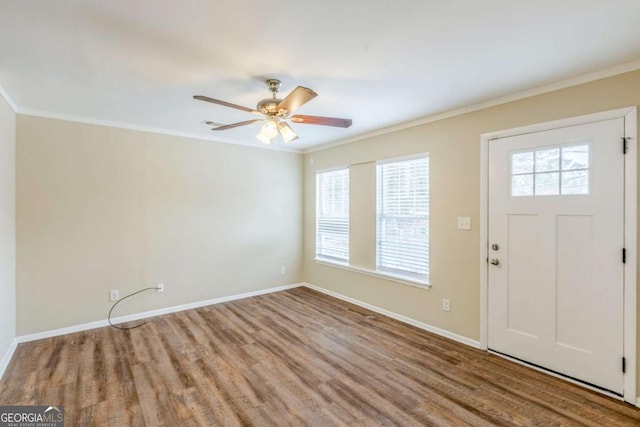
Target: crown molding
(563, 84)
(148, 129)
(5, 95)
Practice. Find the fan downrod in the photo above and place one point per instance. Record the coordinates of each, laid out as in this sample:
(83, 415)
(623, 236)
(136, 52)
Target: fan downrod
(268, 106)
(273, 85)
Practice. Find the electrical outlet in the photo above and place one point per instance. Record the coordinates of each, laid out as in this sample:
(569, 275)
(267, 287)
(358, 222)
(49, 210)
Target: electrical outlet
(160, 288)
(283, 270)
(114, 295)
(446, 304)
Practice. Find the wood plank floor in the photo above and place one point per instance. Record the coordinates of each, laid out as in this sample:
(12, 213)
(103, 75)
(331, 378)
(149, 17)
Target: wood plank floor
(297, 358)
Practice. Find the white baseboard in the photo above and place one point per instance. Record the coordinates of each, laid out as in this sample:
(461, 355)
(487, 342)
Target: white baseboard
(148, 314)
(7, 357)
(401, 318)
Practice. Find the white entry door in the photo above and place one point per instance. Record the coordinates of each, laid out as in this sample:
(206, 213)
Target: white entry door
(556, 230)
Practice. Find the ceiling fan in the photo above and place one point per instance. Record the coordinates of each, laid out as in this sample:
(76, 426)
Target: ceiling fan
(276, 112)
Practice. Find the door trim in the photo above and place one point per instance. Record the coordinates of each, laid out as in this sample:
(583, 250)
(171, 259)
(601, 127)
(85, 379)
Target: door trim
(630, 116)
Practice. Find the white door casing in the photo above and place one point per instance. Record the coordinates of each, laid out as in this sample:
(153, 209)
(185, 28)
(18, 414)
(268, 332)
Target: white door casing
(560, 296)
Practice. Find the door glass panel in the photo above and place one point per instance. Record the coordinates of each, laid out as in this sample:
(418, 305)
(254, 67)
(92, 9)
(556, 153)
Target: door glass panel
(547, 184)
(522, 185)
(522, 163)
(561, 170)
(575, 157)
(575, 182)
(548, 160)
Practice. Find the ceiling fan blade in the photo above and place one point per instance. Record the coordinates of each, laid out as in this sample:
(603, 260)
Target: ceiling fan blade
(298, 97)
(288, 135)
(324, 121)
(235, 125)
(224, 103)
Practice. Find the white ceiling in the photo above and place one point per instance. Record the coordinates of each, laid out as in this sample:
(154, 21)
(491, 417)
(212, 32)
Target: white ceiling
(379, 62)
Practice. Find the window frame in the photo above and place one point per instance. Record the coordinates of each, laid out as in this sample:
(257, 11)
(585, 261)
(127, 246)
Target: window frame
(320, 256)
(422, 280)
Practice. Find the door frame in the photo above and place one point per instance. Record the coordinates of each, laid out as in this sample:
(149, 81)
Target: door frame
(630, 116)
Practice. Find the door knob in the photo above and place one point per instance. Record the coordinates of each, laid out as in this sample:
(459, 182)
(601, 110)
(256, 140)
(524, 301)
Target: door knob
(495, 261)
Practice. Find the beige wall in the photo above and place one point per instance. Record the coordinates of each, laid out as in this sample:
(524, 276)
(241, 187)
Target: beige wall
(7, 227)
(100, 208)
(454, 156)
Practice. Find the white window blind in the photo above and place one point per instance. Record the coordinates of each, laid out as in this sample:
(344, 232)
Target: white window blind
(403, 218)
(332, 215)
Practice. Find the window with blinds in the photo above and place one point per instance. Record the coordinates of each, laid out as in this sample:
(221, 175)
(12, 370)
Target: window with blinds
(332, 215)
(402, 236)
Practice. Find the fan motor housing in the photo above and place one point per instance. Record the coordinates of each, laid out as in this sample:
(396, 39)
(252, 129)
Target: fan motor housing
(268, 106)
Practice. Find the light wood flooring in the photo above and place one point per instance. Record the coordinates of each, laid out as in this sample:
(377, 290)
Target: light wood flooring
(296, 358)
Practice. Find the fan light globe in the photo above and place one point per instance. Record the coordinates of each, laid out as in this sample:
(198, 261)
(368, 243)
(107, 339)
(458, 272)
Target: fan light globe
(287, 133)
(269, 129)
(264, 139)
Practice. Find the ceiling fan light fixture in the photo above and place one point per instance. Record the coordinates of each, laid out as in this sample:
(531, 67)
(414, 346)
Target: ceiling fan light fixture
(262, 138)
(288, 135)
(274, 112)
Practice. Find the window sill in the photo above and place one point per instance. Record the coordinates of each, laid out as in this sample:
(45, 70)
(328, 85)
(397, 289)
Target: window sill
(373, 273)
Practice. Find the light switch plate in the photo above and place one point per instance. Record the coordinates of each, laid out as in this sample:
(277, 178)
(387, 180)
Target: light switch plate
(464, 223)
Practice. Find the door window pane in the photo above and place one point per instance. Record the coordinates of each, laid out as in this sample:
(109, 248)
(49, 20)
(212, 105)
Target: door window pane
(522, 163)
(551, 171)
(522, 185)
(548, 160)
(547, 184)
(575, 157)
(575, 182)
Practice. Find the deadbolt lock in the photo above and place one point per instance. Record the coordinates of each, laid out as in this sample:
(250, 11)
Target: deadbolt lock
(495, 246)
